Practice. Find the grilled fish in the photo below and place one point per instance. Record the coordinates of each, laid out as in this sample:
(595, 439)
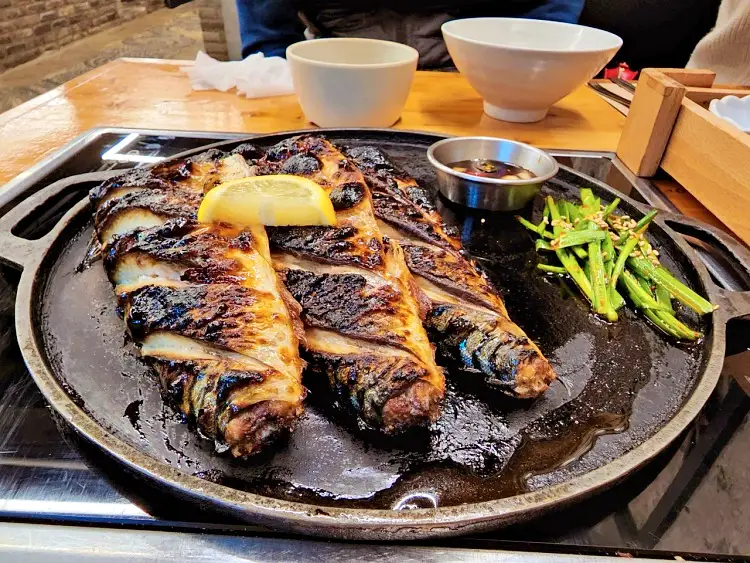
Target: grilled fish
(203, 303)
(467, 320)
(360, 306)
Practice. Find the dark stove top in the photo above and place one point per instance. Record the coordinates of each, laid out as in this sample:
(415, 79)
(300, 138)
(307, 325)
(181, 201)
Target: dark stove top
(694, 498)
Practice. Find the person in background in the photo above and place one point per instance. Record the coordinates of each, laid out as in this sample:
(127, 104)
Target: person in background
(655, 33)
(726, 48)
(270, 26)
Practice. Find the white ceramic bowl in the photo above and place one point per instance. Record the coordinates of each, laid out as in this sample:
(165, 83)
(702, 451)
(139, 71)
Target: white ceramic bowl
(352, 82)
(521, 67)
(734, 110)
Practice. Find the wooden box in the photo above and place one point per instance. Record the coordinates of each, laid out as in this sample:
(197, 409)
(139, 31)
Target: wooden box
(670, 127)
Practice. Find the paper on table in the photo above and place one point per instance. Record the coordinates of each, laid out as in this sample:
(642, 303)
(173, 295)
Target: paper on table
(256, 77)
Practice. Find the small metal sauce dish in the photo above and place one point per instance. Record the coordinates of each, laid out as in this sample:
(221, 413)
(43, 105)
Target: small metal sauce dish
(489, 193)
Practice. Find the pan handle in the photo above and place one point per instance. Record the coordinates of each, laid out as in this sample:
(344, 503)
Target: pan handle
(17, 251)
(734, 303)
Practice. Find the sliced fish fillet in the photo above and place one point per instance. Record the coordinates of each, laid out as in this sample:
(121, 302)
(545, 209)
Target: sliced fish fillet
(467, 318)
(203, 303)
(359, 303)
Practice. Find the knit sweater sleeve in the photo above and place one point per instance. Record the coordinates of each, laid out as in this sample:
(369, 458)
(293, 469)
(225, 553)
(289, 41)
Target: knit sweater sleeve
(726, 48)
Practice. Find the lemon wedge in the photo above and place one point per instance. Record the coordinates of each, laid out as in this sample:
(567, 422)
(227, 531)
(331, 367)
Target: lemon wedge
(273, 201)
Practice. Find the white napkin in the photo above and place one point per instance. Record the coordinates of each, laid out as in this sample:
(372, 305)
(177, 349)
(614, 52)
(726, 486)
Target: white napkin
(256, 77)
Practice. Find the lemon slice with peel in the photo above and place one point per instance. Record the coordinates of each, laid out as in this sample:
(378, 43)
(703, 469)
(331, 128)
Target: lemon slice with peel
(274, 201)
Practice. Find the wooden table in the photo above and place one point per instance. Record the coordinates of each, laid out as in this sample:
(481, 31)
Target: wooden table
(150, 93)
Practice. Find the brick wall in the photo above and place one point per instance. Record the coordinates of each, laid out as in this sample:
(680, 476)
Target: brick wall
(28, 28)
(212, 24)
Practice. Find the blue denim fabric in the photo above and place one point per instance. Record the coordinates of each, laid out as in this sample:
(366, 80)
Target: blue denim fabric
(270, 26)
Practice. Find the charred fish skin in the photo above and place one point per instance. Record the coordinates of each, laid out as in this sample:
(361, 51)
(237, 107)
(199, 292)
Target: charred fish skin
(209, 393)
(467, 320)
(478, 343)
(385, 393)
(203, 303)
(347, 304)
(364, 336)
(333, 245)
(401, 201)
(224, 315)
(196, 174)
(199, 253)
(454, 273)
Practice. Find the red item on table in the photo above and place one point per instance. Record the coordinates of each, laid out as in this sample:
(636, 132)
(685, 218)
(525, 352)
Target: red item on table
(621, 71)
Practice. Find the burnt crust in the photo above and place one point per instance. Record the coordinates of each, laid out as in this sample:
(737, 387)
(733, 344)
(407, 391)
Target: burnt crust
(143, 178)
(346, 304)
(304, 155)
(162, 177)
(453, 272)
(316, 145)
(347, 195)
(376, 167)
(203, 253)
(301, 165)
(220, 315)
(173, 174)
(406, 205)
(248, 151)
(332, 245)
(170, 204)
(407, 218)
(254, 428)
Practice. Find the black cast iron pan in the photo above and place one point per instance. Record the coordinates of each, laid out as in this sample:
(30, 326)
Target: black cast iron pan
(489, 461)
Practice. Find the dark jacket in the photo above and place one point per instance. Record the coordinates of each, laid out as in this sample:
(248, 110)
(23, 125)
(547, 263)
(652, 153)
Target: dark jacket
(272, 25)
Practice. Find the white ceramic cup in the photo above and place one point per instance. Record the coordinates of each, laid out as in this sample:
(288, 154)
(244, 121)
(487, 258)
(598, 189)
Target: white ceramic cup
(352, 82)
(521, 67)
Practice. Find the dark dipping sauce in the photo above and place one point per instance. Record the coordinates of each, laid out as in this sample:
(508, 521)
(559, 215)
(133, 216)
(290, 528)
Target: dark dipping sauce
(492, 169)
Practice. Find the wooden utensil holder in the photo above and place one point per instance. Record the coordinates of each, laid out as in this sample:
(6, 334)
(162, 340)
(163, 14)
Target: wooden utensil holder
(669, 128)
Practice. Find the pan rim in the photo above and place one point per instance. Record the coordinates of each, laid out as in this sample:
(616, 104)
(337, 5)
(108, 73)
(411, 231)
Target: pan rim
(357, 522)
